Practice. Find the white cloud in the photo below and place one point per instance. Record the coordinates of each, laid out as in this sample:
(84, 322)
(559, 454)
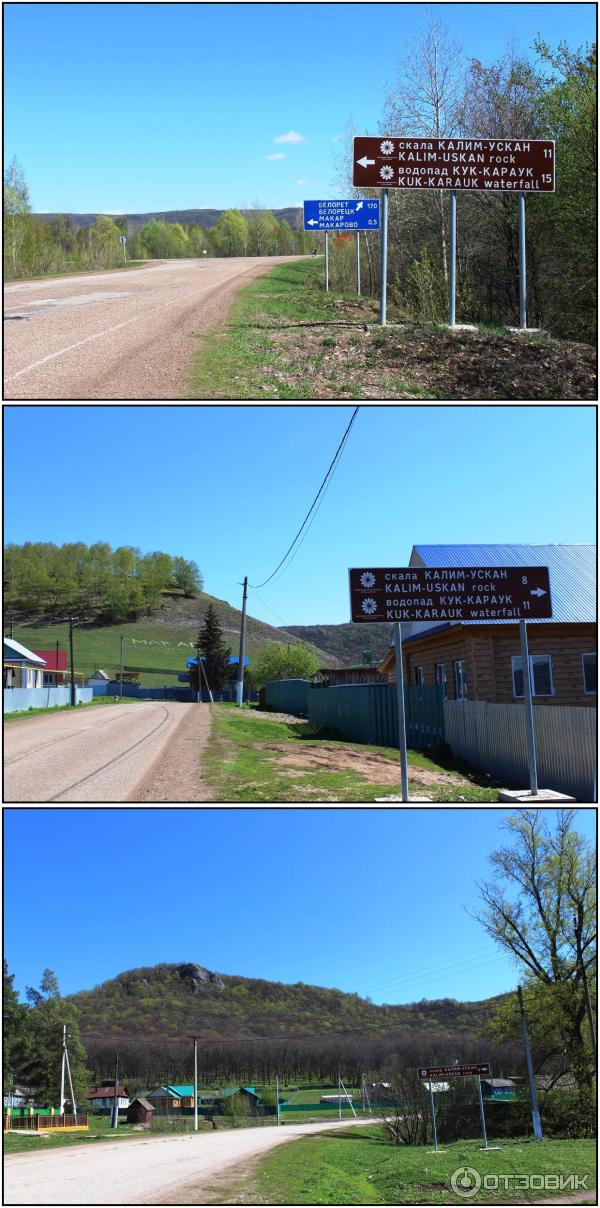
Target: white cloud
(290, 137)
(337, 138)
(277, 155)
(301, 182)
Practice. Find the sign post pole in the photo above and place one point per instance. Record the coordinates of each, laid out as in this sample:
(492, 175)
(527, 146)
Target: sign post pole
(401, 712)
(326, 262)
(527, 701)
(453, 258)
(522, 265)
(482, 1113)
(435, 1141)
(384, 236)
(358, 264)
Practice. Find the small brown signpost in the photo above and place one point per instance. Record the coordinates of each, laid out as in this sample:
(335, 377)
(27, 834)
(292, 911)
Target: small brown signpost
(481, 1069)
(454, 1071)
(487, 164)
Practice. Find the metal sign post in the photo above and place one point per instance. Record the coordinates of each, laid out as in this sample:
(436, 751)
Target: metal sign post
(358, 264)
(401, 713)
(528, 704)
(535, 1111)
(123, 240)
(482, 1113)
(522, 265)
(432, 1105)
(453, 258)
(384, 236)
(326, 263)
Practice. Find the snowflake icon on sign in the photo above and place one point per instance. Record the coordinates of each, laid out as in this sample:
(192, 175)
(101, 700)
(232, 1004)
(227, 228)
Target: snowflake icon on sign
(369, 606)
(386, 172)
(367, 579)
(387, 147)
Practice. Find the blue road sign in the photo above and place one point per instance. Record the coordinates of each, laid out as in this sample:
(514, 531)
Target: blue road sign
(357, 214)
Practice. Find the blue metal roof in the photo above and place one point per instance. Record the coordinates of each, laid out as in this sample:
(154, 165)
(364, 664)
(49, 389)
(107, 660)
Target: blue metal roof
(572, 571)
(232, 661)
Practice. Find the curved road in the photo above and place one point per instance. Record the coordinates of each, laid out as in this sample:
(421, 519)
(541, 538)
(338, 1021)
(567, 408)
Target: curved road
(143, 1171)
(96, 753)
(126, 334)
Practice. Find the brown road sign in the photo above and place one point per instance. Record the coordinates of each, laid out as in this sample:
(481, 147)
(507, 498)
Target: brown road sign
(454, 1071)
(450, 593)
(485, 164)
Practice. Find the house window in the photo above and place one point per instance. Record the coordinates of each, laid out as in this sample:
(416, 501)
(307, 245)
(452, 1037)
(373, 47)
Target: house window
(440, 677)
(590, 674)
(460, 679)
(540, 666)
(419, 676)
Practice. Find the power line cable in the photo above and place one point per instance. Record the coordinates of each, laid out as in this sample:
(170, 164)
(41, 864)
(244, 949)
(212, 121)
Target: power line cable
(329, 474)
(451, 960)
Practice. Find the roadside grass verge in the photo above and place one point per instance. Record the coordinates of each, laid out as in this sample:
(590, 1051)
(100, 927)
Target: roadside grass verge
(252, 758)
(19, 714)
(77, 272)
(359, 1166)
(99, 1130)
(286, 338)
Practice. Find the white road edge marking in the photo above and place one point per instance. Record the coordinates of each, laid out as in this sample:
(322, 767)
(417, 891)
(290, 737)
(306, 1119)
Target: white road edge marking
(106, 332)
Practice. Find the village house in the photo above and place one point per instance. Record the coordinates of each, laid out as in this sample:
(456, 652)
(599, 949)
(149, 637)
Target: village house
(170, 1098)
(481, 660)
(56, 673)
(22, 668)
(101, 1098)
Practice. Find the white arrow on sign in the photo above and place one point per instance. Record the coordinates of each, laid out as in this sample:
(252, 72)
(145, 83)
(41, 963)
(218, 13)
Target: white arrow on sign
(364, 162)
(538, 591)
(359, 207)
(313, 222)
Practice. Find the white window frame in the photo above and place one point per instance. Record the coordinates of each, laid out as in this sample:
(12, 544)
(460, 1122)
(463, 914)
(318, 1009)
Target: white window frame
(588, 654)
(460, 663)
(419, 677)
(516, 665)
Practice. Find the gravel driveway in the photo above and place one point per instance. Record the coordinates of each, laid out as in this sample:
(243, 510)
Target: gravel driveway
(140, 1171)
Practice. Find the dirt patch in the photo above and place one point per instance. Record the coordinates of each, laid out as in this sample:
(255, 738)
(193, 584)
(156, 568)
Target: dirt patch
(229, 1186)
(177, 776)
(377, 769)
(346, 360)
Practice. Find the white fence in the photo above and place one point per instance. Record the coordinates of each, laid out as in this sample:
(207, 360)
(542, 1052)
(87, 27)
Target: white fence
(41, 698)
(492, 737)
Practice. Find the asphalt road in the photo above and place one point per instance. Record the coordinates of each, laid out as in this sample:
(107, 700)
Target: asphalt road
(141, 1171)
(98, 753)
(126, 334)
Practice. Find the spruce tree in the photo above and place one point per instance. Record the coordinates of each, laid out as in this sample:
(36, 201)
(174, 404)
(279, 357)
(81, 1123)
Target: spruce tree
(216, 653)
(16, 1034)
(46, 1020)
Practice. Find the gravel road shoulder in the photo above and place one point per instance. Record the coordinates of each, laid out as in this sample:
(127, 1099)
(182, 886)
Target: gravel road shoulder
(177, 774)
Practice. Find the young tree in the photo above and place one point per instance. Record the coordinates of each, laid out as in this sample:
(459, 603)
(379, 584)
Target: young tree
(276, 661)
(186, 576)
(16, 211)
(550, 925)
(216, 653)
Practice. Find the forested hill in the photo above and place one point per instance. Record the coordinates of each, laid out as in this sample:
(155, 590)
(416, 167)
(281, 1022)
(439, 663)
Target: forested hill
(206, 218)
(347, 642)
(167, 1002)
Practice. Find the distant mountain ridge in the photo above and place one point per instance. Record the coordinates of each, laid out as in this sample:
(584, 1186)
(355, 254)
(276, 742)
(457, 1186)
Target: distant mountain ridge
(346, 642)
(205, 218)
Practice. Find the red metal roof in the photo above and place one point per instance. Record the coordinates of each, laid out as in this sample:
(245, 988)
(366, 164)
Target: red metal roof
(50, 657)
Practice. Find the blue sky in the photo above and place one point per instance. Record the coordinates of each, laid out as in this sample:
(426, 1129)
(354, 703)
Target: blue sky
(132, 107)
(385, 895)
(229, 486)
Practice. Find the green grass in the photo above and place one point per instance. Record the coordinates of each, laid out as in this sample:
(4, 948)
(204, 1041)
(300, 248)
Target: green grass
(19, 714)
(359, 1166)
(239, 769)
(243, 361)
(79, 272)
